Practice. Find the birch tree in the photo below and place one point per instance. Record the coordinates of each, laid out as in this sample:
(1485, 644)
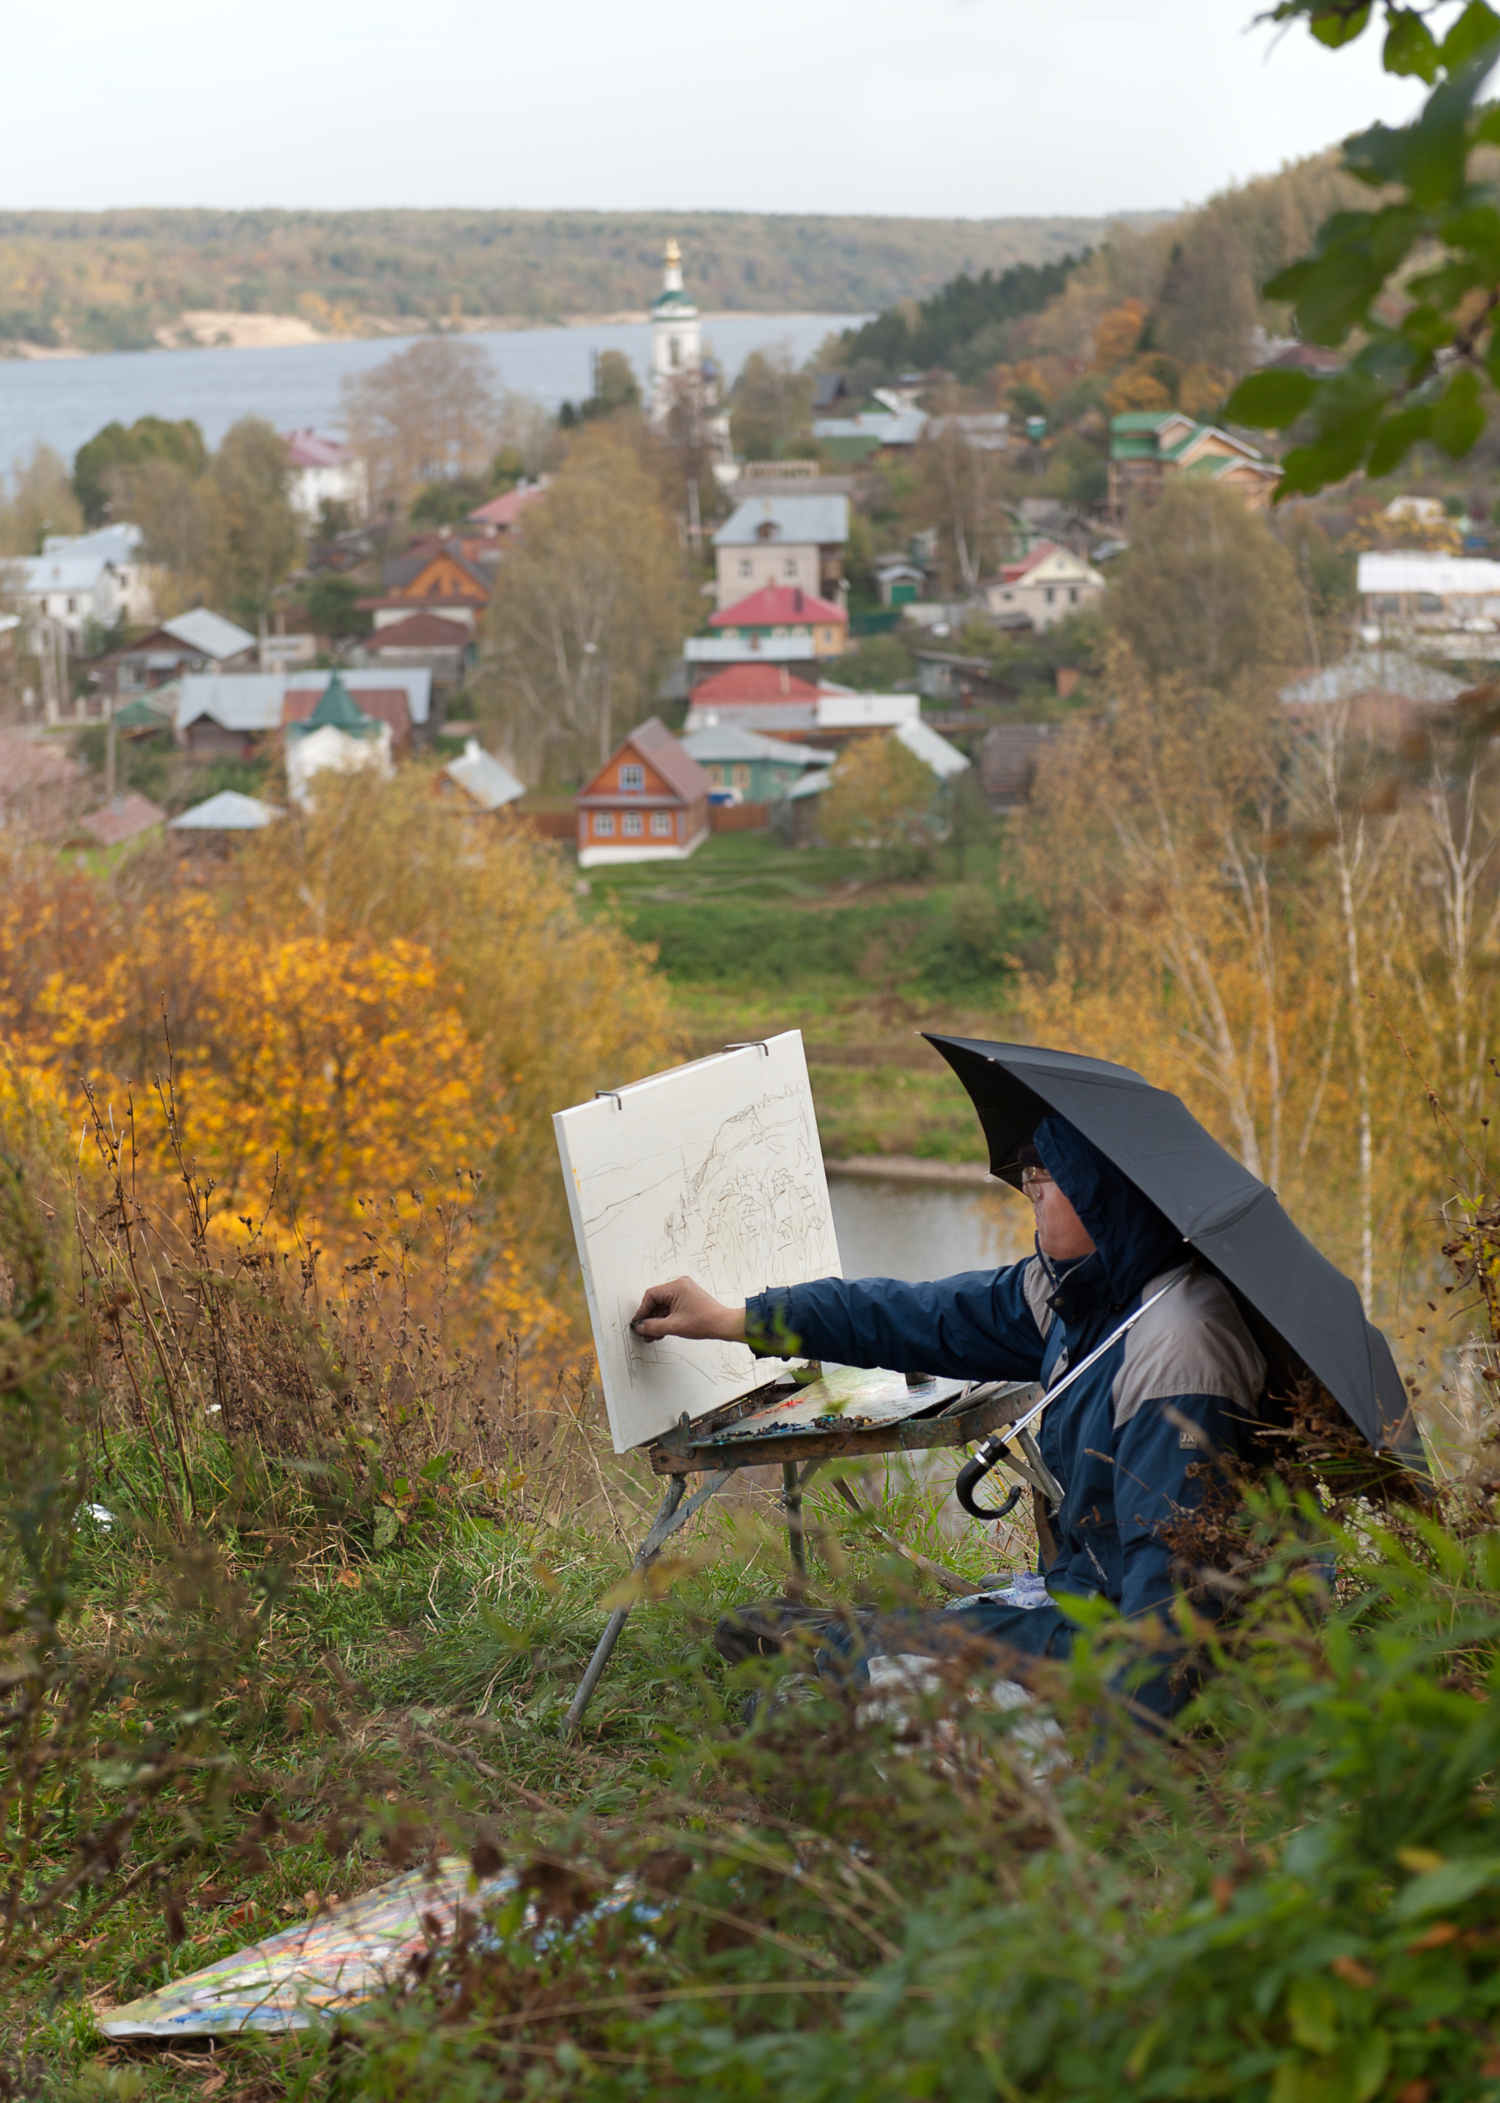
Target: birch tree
(588, 609)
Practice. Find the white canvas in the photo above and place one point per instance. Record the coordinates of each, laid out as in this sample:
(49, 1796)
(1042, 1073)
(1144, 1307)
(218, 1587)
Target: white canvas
(712, 1171)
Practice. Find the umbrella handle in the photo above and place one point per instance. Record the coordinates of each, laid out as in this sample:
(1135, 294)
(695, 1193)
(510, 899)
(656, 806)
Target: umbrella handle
(973, 1472)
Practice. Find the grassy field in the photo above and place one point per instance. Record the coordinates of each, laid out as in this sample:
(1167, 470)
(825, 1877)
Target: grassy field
(390, 1701)
(756, 937)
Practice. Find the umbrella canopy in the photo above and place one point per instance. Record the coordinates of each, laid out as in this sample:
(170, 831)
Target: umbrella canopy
(1229, 1216)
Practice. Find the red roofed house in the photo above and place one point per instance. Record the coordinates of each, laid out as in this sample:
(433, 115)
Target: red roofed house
(750, 682)
(441, 579)
(498, 519)
(781, 612)
(435, 640)
(387, 704)
(648, 802)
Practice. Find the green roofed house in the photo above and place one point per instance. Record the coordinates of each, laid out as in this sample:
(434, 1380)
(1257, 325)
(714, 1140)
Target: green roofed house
(1147, 445)
(337, 737)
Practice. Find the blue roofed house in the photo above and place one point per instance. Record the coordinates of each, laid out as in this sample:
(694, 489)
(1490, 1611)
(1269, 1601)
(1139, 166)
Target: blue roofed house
(229, 715)
(786, 541)
(744, 767)
(78, 578)
(196, 641)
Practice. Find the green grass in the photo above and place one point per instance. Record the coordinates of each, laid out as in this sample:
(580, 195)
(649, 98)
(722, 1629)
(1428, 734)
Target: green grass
(756, 937)
(432, 1680)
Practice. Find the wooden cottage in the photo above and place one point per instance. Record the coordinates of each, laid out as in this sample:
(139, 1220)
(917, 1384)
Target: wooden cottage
(648, 802)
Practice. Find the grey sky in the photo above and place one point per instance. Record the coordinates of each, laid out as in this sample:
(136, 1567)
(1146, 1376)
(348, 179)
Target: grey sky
(944, 106)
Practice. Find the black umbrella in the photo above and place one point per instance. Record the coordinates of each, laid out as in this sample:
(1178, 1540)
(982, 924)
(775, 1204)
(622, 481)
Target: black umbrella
(1231, 1218)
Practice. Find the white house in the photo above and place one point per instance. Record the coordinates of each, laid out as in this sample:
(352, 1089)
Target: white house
(932, 749)
(337, 738)
(87, 577)
(485, 781)
(1430, 592)
(788, 541)
(1045, 586)
(324, 471)
(229, 811)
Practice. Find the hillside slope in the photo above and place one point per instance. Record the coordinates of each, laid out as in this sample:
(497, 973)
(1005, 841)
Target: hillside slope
(123, 279)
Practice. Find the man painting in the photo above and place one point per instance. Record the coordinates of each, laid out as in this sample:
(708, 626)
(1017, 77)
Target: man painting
(1184, 1383)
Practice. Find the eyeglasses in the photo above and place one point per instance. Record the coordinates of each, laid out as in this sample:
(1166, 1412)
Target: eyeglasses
(1034, 1180)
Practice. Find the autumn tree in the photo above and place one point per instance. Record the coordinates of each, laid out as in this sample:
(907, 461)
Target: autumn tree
(254, 533)
(961, 485)
(426, 414)
(770, 405)
(228, 535)
(884, 800)
(400, 996)
(1206, 592)
(39, 501)
(171, 506)
(586, 610)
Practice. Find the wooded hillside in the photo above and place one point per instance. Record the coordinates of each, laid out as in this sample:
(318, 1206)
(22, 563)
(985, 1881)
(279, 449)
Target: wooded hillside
(113, 280)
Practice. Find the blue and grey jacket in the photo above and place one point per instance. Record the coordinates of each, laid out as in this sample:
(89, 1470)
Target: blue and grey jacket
(1184, 1382)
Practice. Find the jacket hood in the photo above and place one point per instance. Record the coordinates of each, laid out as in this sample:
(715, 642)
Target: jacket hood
(1132, 1239)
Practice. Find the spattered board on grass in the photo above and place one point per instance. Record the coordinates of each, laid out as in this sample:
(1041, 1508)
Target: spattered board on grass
(712, 1171)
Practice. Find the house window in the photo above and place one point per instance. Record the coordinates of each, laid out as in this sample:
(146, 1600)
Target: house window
(716, 776)
(604, 825)
(661, 824)
(742, 777)
(1427, 602)
(789, 567)
(632, 779)
(1073, 595)
(1051, 595)
(630, 825)
(1388, 604)
(72, 606)
(747, 569)
(674, 351)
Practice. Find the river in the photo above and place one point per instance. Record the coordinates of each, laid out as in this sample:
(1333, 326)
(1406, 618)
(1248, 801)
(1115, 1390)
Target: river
(915, 1230)
(63, 401)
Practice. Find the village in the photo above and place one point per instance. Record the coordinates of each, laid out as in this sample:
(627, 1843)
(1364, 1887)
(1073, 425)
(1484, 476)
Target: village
(751, 714)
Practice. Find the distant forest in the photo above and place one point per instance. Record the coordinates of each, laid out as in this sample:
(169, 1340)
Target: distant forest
(113, 280)
(962, 326)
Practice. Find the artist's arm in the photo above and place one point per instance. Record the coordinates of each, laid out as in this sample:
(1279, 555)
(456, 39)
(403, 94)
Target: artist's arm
(975, 1326)
(685, 1308)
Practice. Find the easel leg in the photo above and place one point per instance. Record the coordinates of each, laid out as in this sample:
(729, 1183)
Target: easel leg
(791, 1501)
(674, 1513)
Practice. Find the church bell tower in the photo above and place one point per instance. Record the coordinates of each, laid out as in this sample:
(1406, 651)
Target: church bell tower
(676, 341)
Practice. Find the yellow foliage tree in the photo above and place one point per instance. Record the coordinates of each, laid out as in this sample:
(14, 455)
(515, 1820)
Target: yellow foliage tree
(386, 996)
(885, 800)
(1117, 332)
(587, 609)
(1258, 916)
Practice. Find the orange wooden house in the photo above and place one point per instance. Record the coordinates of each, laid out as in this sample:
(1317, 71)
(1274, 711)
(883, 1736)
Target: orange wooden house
(648, 802)
(442, 580)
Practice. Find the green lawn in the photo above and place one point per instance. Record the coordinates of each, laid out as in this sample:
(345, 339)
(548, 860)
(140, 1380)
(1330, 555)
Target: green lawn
(757, 937)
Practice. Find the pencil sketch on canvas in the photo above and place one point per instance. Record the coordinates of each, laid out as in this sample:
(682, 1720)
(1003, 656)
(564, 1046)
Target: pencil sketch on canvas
(713, 1170)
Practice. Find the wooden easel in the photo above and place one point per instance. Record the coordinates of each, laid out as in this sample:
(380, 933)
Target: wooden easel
(704, 1449)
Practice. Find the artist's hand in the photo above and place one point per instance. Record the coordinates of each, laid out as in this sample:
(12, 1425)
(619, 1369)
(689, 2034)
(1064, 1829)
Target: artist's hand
(684, 1308)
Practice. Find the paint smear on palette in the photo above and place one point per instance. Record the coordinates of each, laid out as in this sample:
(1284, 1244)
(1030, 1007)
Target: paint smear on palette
(307, 1973)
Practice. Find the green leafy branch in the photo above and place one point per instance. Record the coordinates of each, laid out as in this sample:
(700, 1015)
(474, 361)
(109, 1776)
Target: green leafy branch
(1418, 377)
